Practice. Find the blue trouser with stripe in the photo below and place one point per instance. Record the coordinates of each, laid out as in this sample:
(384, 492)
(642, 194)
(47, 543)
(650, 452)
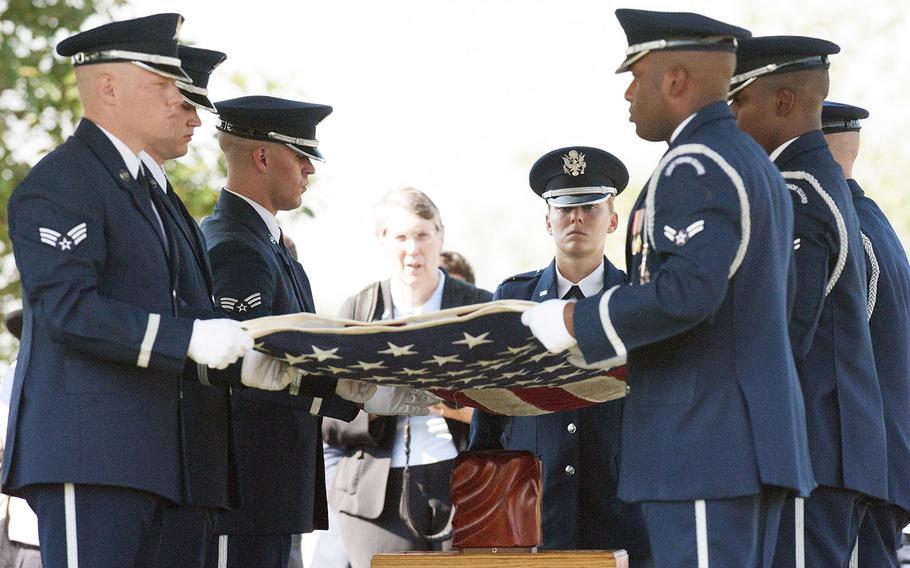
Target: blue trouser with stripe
(739, 532)
(96, 526)
(245, 550)
(880, 535)
(820, 530)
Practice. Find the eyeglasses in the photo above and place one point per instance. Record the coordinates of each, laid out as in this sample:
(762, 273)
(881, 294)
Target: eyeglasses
(420, 238)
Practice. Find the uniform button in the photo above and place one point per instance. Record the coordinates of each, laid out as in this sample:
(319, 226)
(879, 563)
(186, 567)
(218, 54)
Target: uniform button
(571, 428)
(628, 389)
(570, 470)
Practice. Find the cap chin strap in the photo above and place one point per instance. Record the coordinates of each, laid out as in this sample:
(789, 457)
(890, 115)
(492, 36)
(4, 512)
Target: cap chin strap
(599, 190)
(291, 140)
(749, 77)
(136, 58)
(842, 125)
(582, 204)
(302, 153)
(200, 106)
(288, 141)
(192, 89)
(639, 50)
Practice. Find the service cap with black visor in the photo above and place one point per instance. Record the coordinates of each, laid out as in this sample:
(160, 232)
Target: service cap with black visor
(198, 63)
(773, 55)
(840, 117)
(149, 42)
(272, 119)
(577, 175)
(649, 31)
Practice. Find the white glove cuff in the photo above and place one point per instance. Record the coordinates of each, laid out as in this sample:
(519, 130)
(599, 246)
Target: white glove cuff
(548, 325)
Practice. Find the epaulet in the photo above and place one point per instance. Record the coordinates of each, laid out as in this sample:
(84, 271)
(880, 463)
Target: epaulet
(523, 276)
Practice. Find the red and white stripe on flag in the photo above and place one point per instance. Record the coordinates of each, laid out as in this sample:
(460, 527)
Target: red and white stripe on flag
(541, 400)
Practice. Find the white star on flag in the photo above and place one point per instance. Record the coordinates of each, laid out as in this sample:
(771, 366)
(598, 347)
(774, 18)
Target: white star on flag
(366, 366)
(472, 341)
(514, 374)
(553, 368)
(568, 376)
(291, 359)
(458, 373)
(443, 359)
(536, 358)
(413, 372)
(323, 354)
(398, 351)
(517, 351)
(335, 370)
(382, 378)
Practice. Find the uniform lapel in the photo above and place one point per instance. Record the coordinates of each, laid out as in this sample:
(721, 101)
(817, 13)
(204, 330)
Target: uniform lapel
(546, 285)
(102, 147)
(190, 232)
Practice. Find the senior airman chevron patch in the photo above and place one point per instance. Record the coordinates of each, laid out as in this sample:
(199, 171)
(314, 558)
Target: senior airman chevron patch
(240, 306)
(72, 238)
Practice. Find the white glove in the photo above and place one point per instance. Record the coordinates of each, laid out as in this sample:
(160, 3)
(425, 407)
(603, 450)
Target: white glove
(548, 326)
(263, 372)
(355, 391)
(218, 342)
(390, 401)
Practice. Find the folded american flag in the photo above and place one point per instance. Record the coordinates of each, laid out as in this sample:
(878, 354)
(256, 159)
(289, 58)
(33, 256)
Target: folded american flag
(480, 356)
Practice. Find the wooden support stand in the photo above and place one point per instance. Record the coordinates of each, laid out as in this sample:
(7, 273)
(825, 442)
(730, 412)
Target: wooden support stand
(545, 559)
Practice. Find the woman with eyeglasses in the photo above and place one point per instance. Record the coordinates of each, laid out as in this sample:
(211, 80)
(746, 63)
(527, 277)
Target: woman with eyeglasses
(369, 483)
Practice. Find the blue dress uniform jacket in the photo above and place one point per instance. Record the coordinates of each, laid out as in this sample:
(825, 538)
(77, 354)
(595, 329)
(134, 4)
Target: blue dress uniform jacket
(97, 395)
(576, 504)
(714, 408)
(205, 410)
(278, 440)
(889, 321)
(829, 329)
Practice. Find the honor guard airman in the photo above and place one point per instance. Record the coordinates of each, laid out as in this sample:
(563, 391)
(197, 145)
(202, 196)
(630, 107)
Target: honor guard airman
(187, 531)
(777, 95)
(710, 445)
(269, 144)
(888, 307)
(578, 449)
(109, 351)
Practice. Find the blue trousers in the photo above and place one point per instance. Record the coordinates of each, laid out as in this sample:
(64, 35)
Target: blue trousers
(186, 537)
(880, 535)
(249, 550)
(96, 526)
(738, 532)
(820, 530)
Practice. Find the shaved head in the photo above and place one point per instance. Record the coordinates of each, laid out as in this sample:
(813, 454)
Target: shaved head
(776, 108)
(238, 151)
